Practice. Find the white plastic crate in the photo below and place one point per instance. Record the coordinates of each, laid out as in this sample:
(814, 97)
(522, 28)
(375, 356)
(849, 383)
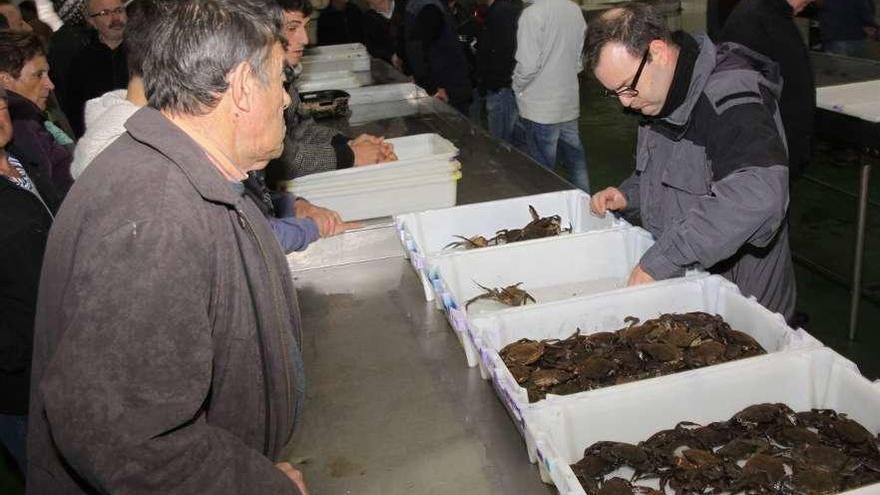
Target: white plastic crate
(606, 312)
(347, 57)
(385, 93)
(803, 380)
(417, 155)
(550, 269)
(314, 51)
(424, 234)
(425, 170)
(390, 197)
(317, 81)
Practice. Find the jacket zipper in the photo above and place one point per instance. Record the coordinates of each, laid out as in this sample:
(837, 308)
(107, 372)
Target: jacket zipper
(35, 196)
(246, 225)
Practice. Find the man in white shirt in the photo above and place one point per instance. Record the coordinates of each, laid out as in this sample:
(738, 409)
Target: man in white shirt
(550, 40)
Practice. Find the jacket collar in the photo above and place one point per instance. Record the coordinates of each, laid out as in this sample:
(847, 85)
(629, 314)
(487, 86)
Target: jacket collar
(702, 69)
(149, 127)
(20, 108)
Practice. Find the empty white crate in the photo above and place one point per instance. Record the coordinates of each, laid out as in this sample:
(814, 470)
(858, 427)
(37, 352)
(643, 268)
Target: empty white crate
(803, 380)
(382, 198)
(424, 234)
(384, 93)
(348, 57)
(550, 269)
(316, 51)
(317, 81)
(711, 294)
(418, 155)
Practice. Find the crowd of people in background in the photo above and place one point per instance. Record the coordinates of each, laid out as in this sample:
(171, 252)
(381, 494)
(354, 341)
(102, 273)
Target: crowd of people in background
(172, 126)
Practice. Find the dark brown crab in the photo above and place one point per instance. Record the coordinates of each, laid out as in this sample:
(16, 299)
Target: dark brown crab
(538, 228)
(523, 352)
(511, 295)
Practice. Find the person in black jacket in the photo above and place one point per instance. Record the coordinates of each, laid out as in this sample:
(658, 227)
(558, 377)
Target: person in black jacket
(717, 12)
(99, 67)
(28, 202)
(434, 53)
(767, 26)
(383, 30)
(341, 22)
(496, 49)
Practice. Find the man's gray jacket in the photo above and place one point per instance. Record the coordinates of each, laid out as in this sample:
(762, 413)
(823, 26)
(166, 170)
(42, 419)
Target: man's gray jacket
(711, 179)
(166, 354)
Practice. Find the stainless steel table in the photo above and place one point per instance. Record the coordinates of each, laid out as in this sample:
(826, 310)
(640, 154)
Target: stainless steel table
(831, 70)
(391, 406)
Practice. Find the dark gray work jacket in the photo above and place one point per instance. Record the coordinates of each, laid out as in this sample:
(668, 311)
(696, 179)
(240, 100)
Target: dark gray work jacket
(165, 350)
(711, 178)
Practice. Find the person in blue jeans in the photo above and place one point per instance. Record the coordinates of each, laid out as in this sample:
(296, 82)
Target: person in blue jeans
(550, 40)
(496, 48)
(846, 27)
(546, 142)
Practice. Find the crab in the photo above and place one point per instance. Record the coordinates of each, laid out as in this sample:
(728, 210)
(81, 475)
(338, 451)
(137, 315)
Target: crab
(764, 414)
(740, 448)
(796, 436)
(538, 228)
(706, 353)
(595, 368)
(546, 378)
(823, 457)
(523, 352)
(814, 481)
(511, 295)
(474, 242)
(660, 351)
(760, 473)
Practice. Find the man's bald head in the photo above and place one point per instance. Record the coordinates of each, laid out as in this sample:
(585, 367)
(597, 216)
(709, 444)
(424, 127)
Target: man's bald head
(633, 25)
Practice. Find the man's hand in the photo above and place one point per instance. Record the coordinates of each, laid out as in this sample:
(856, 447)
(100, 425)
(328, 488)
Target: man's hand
(397, 62)
(294, 476)
(639, 277)
(609, 198)
(441, 95)
(369, 150)
(329, 222)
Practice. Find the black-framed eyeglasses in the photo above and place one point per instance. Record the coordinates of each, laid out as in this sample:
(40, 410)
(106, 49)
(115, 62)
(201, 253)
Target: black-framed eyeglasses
(630, 91)
(106, 12)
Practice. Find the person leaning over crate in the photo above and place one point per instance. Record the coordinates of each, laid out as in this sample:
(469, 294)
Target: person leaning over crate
(711, 178)
(309, 147)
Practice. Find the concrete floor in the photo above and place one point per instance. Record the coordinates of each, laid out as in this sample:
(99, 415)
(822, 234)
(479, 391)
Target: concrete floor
(821, 223)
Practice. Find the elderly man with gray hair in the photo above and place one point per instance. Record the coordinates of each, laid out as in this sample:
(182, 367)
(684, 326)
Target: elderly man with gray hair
(166, 346)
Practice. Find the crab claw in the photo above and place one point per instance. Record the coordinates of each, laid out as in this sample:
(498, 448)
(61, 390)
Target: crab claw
(533, 212)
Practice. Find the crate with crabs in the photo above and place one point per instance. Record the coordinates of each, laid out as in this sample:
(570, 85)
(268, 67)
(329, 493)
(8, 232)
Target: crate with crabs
(484, 281)
(563, 351)
(795, 422)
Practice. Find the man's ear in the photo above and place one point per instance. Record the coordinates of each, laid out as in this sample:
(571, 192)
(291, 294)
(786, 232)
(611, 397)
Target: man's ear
(6, 79)
(241, 86)
(659, 50)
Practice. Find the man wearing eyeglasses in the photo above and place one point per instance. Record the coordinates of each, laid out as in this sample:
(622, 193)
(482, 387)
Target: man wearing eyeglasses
(101, 66)
(711, 178)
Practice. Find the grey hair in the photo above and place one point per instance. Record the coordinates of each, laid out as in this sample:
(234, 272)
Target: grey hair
(634, 25)
(198, 42)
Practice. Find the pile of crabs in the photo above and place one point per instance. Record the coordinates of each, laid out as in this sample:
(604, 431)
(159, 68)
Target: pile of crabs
(765, 448)
(668, 344)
